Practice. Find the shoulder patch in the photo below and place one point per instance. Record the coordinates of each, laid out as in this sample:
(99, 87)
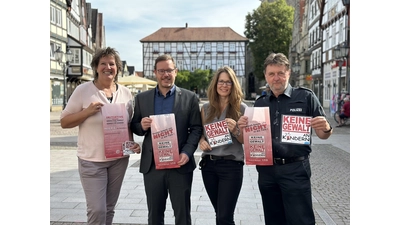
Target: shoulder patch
(261, 96)
(304, 88)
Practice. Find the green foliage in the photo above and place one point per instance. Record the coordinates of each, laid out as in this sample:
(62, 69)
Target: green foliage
(269, 28)
(198, 79)
(182, 78)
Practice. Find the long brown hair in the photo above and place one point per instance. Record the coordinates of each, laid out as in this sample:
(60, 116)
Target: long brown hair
(235, 98)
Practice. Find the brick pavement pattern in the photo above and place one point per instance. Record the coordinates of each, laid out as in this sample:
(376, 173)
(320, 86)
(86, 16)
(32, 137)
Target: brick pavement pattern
(330, 165)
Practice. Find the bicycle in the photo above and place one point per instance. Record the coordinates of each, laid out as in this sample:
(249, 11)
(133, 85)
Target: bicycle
(346, 121)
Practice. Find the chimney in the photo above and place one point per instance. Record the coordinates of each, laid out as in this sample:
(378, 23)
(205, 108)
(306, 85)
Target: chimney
(186, 25)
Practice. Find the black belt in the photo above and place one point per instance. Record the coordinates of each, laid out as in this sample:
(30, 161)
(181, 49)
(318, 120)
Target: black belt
(283, 161)
(214, 157)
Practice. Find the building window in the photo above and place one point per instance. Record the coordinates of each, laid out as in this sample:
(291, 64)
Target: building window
(55, 16)
(167, 47)
(319, 59)
(220, 63)
(334, 34)
(207, 47)
(193, 47)
(341, 32)
(207, 64)
(179, 64)
(57, 93)
(155, 48)
(193, 64)
(53, 49)
(220, 47)
(327, 40)
(327, 89)
(180, 47)
(76, 56)
(232, 47)
(232, 64)
(314, 61)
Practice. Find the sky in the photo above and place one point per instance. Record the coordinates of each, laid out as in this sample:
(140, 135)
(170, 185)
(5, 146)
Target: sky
(127, 21)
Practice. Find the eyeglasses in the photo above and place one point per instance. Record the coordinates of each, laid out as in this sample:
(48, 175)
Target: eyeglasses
(221, 82)
(169, 71)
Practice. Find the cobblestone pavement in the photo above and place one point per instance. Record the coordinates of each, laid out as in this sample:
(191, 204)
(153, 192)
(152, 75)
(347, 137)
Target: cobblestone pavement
(330, 165)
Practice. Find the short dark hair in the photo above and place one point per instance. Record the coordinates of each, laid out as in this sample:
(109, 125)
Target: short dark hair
(276, 59)
(164, 57)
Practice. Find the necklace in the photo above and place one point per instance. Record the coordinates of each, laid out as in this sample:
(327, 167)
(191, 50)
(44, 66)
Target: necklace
(110, 98)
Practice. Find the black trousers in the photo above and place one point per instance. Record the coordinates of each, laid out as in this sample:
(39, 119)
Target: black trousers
(157, 184)
(223, 181)
(286, 193)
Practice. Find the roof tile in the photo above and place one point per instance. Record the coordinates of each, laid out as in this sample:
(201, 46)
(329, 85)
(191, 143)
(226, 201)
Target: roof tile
(174, 34)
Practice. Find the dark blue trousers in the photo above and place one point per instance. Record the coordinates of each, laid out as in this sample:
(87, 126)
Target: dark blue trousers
(223, 181)
(286, 193)
(157, 184)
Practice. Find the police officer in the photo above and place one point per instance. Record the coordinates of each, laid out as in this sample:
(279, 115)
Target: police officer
(285, 186)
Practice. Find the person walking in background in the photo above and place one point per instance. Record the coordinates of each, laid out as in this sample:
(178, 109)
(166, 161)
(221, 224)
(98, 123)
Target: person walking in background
(101, 177)
(168, 98)
(222, 166)
(285, 186)
(344, 111)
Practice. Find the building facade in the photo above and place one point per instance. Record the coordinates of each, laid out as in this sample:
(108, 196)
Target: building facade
(58, 39)
(197, 48)
(319, 27)
(334, 26)
(314, 47)
(76, 28)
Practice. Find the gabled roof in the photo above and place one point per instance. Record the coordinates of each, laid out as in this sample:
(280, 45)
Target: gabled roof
(181, 34)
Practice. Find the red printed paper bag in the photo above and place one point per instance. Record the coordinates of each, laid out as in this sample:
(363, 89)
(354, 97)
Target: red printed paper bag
(115, 129)
(165, 141)
(257, 137)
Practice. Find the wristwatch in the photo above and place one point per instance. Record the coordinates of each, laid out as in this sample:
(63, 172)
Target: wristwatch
(327, 131)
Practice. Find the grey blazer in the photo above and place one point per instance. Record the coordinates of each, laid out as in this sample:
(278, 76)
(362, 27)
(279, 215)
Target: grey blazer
(188, 125)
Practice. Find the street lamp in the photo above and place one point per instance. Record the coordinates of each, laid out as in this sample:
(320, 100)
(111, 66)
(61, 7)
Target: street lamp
(59, 55)
(341, 52)
(296, 69)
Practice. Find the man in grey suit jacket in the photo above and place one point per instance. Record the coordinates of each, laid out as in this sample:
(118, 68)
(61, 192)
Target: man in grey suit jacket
(168, 98)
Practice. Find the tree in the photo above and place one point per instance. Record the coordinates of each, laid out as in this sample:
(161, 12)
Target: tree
(269, 29)
(182, 79)
(196, 80)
